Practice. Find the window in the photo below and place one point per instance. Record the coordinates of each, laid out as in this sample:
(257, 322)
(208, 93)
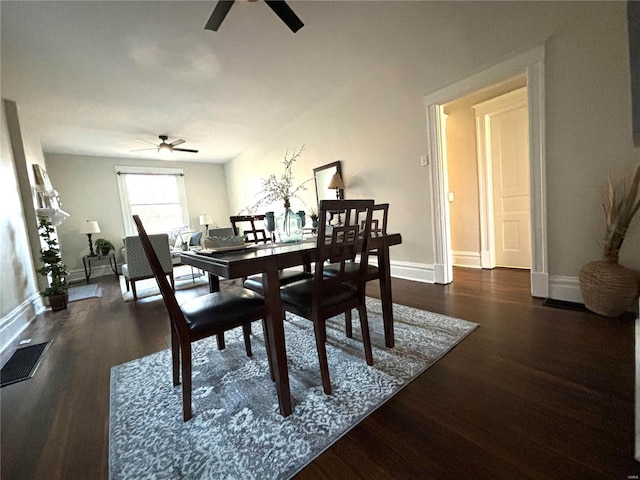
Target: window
(157, 195)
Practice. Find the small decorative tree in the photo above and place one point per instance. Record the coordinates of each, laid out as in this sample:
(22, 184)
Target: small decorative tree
(53, 268)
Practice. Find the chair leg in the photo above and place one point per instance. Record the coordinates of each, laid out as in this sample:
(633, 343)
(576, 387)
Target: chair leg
(220, 340)
(133, 289)
(366, 339)
(267, 345)
(246, 332)
(126, 282)
(320, 332)
(348, 326)
(186, 380)
(173, 282)
(175, 356)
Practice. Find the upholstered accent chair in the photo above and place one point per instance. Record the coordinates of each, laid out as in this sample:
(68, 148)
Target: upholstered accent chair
(137, 266)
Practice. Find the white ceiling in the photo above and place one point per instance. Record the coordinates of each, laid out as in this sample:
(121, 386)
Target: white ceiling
(90, 77)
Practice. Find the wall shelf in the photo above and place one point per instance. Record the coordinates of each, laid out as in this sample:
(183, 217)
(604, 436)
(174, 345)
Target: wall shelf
(56, 215)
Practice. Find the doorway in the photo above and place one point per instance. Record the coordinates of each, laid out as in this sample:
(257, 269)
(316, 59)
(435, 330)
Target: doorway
(530, 64)
(487, 159)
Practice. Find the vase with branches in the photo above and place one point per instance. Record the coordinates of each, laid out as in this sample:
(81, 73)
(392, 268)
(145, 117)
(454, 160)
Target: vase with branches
(283, 189)
(607, 287)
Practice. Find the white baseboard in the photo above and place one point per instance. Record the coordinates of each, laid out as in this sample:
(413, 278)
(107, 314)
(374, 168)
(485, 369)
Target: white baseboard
(466, 259)
(418, 272)
(543, 285)
(76, 276)
(565, 288)
(18, 319)
(540, 285)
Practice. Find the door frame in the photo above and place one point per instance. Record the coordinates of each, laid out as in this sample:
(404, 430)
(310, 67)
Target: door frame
(531, 63)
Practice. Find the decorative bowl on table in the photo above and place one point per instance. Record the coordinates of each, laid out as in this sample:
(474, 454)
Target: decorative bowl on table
(223, 242)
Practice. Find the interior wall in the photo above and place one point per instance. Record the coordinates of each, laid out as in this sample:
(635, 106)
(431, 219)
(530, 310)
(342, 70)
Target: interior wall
(462, 167)
(19, 297)
(376, 124)
(17, 274)
(88, 191)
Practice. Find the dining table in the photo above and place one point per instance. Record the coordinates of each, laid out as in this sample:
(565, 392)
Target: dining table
(268, 259)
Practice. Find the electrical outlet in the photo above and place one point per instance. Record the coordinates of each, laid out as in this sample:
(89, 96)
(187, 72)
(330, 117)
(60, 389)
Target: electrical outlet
(450, 196)
(424, 161)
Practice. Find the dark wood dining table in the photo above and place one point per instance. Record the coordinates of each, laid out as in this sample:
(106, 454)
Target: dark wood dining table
(268, 260)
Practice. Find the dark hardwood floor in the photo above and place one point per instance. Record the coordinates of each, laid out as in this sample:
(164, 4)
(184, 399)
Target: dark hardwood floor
(534, 393)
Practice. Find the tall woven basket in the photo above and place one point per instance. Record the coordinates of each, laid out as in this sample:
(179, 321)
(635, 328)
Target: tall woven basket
(608, 288)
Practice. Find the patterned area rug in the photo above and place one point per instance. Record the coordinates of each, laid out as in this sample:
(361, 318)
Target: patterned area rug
(183, 275)
(236, 430)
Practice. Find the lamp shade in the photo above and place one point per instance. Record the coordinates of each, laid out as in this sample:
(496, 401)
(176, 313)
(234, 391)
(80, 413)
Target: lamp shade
(205, 219)
(336, 181)
(90, 226)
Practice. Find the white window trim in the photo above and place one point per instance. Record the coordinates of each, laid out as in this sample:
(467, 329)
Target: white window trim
(127, 219)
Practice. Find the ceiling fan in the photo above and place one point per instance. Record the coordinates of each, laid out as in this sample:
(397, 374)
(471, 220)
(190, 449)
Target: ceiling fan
(165, 148)
(279, 7)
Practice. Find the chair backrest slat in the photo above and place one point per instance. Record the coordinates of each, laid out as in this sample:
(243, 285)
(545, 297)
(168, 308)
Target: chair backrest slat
(378, 219)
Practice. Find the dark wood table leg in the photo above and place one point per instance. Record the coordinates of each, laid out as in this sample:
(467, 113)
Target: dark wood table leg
(275, 326)
(214, 283)
(214, 286)
(384, 268)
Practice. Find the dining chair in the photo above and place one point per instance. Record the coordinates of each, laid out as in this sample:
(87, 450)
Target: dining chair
(202, 317)
(324, 297)
(250, 226)
(378, 227)
(251, 232)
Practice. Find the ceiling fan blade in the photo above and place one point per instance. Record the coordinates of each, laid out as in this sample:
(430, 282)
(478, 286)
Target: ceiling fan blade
(141, 149)
(148, 143)
(176, 142)
(184, 150)
(221, 10)
(285, 13)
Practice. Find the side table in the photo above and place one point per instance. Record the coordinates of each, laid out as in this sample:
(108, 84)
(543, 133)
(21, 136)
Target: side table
(87, 260)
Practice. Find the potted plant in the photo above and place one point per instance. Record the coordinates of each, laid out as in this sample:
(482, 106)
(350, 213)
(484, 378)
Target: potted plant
(607, 287)
(58, 290)
(104, 246)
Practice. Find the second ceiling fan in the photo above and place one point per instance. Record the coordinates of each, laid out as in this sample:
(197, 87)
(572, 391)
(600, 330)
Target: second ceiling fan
(165, 148)
(279, 7)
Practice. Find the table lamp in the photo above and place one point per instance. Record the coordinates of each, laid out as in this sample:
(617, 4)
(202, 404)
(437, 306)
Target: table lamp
(337, 183)
(206, 220)
(90, 227)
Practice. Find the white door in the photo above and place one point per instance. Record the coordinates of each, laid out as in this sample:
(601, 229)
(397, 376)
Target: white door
(504, 152)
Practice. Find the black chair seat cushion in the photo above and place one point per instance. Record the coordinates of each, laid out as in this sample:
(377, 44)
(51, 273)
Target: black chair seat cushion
(332, 270)
(298, 295)
(224, 309)
(254, 282)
